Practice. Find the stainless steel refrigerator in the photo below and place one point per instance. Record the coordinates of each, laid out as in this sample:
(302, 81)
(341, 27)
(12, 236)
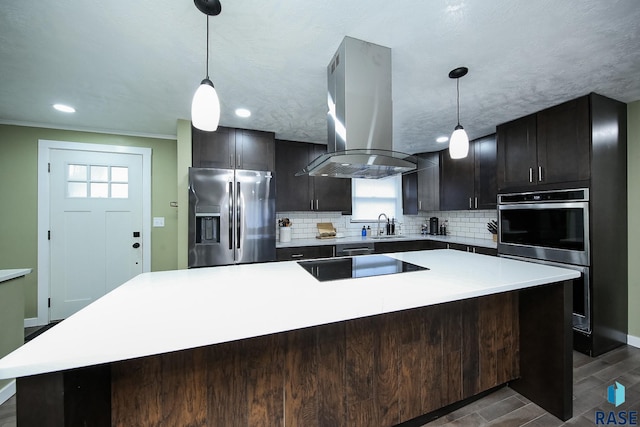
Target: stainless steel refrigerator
(231, 217)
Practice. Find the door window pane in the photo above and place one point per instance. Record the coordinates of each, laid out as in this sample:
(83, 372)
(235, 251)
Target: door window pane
(76, 172)
(76, 189)
(119, 174)
(99, 173)
(119, 191)
(99, 190)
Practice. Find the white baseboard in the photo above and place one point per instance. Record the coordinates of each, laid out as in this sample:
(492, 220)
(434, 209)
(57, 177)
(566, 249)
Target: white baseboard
(633, 341)
(7, 391)
(31, 322)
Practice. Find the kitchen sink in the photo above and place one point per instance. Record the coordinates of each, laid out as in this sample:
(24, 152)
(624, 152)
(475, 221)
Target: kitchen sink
(388, 237)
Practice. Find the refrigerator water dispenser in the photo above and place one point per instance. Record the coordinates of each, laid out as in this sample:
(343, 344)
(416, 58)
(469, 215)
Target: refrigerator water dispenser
(207, 228)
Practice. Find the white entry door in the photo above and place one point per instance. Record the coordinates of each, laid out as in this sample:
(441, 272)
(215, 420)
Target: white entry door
(95, 226)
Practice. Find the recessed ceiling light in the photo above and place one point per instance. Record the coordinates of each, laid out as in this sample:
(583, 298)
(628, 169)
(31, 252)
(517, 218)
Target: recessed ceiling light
(442, 139)
(64, 108)
(242, 112)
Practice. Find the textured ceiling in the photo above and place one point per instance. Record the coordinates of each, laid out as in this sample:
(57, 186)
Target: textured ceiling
(132, 67)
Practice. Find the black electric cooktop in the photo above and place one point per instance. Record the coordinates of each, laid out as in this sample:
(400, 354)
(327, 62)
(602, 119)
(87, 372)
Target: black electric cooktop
(360, 266)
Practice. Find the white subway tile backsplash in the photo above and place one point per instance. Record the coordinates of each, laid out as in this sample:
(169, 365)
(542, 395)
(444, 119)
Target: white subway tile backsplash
(460, 223)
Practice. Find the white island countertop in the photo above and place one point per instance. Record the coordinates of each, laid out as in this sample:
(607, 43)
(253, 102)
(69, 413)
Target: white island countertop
(161, 312)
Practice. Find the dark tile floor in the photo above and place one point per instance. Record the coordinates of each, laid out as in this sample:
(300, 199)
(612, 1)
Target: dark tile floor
(591, 377)
(506, 408)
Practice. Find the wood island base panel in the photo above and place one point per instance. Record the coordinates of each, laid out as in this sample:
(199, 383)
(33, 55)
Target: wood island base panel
(375, 371)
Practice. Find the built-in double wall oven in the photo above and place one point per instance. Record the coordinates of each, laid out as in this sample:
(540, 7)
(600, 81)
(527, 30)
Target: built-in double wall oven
(550, 227)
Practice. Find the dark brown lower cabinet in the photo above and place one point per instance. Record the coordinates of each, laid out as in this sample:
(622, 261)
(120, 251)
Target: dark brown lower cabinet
(374, 371)
(403, 246)
(304, 252)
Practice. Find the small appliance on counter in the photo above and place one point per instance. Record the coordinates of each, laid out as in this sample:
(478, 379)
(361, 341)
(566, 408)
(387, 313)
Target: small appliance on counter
(433, 226)
(326, 230)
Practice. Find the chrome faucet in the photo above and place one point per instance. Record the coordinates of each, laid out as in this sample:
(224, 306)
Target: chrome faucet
(380, 232)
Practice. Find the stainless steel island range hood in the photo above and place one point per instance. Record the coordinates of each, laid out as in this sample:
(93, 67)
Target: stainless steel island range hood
(360, 118)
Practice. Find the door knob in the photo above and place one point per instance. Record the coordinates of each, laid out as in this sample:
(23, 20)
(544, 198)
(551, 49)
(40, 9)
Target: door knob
(136, 245)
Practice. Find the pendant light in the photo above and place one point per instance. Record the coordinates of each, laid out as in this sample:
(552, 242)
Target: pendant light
(205, 107)
(459, 142)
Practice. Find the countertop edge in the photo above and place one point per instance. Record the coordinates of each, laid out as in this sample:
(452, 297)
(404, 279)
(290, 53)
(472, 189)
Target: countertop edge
(6, 275)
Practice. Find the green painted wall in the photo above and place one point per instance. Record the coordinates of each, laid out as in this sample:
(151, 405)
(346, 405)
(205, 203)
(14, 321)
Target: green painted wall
(633, 197)
(18, 197)
(184, 162)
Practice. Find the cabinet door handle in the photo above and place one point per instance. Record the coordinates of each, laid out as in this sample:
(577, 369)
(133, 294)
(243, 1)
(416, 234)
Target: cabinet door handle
(317, 204)
(476, 203)
(469, 202)
(539, 173)
(530, 174)
(419, 205)
(297, 255)
(311, 201)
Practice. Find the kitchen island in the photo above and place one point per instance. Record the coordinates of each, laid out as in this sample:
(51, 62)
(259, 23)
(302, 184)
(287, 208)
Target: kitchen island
(267, 344)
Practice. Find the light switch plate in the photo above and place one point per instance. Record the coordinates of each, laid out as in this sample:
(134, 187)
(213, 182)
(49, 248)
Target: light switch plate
(158, 221)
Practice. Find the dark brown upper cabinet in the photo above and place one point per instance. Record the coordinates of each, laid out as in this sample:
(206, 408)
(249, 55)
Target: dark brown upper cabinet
(428, 182)
(469, 183)
(307, 193)
(229, 148)
(410, 193)
(546, 148)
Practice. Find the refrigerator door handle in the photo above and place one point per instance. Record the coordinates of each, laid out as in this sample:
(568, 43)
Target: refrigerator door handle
(238, 216)
(231, 209)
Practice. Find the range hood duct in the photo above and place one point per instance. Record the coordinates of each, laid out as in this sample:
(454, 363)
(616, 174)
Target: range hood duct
(360, 119)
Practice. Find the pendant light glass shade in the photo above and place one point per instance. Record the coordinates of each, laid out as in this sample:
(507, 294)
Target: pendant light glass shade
(205, 107)
(459, 143)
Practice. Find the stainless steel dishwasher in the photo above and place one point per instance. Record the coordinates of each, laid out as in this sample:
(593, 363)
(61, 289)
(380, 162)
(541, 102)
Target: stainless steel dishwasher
(357, 248)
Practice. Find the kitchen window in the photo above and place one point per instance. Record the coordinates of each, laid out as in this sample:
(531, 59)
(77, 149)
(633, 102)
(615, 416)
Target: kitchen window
(371, 197)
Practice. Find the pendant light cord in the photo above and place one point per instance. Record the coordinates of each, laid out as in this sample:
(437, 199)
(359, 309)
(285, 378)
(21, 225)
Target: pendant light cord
(208, 50)
(458, 91)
